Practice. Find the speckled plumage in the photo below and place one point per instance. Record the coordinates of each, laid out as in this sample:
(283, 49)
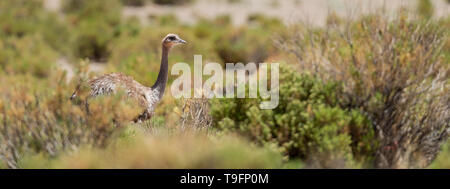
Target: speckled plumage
(111, 83)
(147, 97)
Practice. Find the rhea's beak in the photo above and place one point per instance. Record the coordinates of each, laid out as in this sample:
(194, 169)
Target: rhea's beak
(182, 41)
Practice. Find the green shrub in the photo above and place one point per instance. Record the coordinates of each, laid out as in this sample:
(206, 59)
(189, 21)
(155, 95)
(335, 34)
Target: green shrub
(442, 160)
(244, 45)
(20, 18)
(136, 3)
(89, 9)
(92, 39)
(26, 55)
(30, 38)
(307, 123)
(425, 8)
(231, 48)
(93, 32)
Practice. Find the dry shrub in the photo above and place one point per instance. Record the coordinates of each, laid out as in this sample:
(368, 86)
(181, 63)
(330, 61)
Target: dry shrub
(391, 69)
(38, 117)
(195, 114)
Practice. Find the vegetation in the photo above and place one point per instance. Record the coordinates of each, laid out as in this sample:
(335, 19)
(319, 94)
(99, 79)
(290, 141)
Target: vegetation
(366, 93)
(307, 123)
(93, 32)
(136, 3)
(425, 8)
(186, 150)
(30, 38)
(394, 72)
(441, 161)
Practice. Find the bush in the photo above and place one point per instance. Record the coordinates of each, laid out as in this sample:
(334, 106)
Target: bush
(231, 48)
(246, 44)
(425, 9)
(392, 70)
(37, 117)
(26, 55)
(30, 38)
(21, 18)
(441, 161)
(92, 39)
(307, 123)
(93, 32)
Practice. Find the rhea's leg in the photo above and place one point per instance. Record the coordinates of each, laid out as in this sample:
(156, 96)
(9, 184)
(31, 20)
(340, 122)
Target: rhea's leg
(86, 105)
(143, 116)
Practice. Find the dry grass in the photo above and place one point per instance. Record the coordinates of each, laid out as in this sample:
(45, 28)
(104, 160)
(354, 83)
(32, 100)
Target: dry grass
(179, 150)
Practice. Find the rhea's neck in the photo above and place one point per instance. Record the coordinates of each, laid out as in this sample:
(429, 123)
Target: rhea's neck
(161, 81)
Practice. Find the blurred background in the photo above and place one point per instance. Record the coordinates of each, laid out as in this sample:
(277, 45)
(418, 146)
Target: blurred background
(364, 84)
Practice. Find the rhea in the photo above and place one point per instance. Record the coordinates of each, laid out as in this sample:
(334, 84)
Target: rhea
(147, 97)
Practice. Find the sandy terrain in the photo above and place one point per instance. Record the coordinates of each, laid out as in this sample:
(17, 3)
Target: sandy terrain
(312, 11)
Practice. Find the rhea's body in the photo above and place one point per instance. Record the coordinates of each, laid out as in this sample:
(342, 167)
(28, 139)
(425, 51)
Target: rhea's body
(147, 97)
(111, 83)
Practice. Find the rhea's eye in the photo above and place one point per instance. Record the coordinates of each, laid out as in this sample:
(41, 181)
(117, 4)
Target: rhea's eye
(172, 38)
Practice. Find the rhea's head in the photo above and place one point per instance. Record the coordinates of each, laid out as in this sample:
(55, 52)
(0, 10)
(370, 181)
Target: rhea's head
(171, 40)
